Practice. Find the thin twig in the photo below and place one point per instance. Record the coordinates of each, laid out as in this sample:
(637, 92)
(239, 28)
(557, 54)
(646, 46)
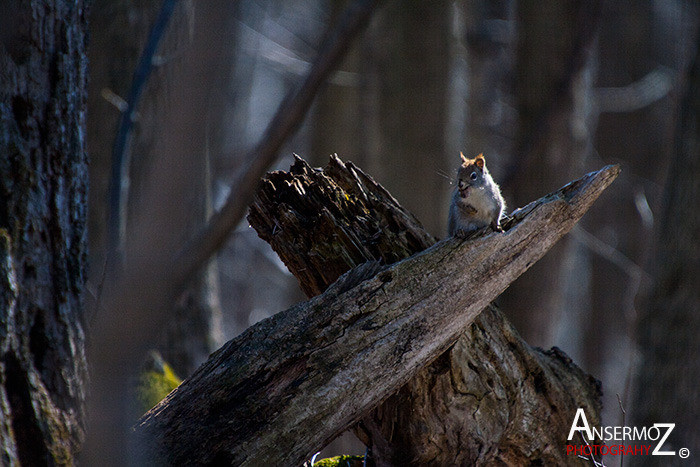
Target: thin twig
(118, 186)
(286, 121)
(622, 409)
(592, 458)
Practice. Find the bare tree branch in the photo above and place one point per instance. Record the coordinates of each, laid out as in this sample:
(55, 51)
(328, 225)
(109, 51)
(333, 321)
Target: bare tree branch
(653, 86)
(119, 187)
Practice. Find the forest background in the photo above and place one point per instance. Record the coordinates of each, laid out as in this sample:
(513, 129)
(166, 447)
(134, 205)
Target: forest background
(547, 90)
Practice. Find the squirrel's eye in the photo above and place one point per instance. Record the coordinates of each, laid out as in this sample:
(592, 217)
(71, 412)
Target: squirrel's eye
(473, 176)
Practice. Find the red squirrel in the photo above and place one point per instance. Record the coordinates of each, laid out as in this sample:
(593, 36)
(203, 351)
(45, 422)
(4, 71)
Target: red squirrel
(477, 200)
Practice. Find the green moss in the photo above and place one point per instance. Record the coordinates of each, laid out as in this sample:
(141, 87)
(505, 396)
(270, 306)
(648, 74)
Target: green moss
(340, 461)
(156, 381)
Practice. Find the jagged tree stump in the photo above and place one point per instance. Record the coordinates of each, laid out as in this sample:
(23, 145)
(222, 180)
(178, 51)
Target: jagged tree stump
(490, 398)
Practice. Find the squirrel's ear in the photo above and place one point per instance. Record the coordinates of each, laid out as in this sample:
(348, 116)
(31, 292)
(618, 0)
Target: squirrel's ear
(464, 159)
(479, 161)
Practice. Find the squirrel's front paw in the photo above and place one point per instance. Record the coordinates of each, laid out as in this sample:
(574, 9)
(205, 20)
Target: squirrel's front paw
(462, 233)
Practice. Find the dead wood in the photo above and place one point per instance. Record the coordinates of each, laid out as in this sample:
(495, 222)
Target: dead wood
(293, 382)
(465, 408)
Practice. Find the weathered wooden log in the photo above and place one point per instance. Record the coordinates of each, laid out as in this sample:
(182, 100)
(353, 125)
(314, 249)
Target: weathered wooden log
(294, 381)
(466, 408)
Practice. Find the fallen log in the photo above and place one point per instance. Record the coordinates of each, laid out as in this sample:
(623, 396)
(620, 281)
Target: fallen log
(293, 382)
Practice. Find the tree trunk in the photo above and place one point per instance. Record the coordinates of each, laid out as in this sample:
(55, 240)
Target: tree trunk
(178, 157)
(295, 381)
(637, 130)
(168, 201)
(43, 202)
(669, 369)
(118, 30)
(551, 83)
(405, 69)
(488, 38)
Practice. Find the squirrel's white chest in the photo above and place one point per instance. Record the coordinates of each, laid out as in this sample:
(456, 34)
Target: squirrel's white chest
(482, 200)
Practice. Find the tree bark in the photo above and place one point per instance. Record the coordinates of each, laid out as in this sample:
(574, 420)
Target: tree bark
(669, 369)
(43, 203)
(295, 381)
